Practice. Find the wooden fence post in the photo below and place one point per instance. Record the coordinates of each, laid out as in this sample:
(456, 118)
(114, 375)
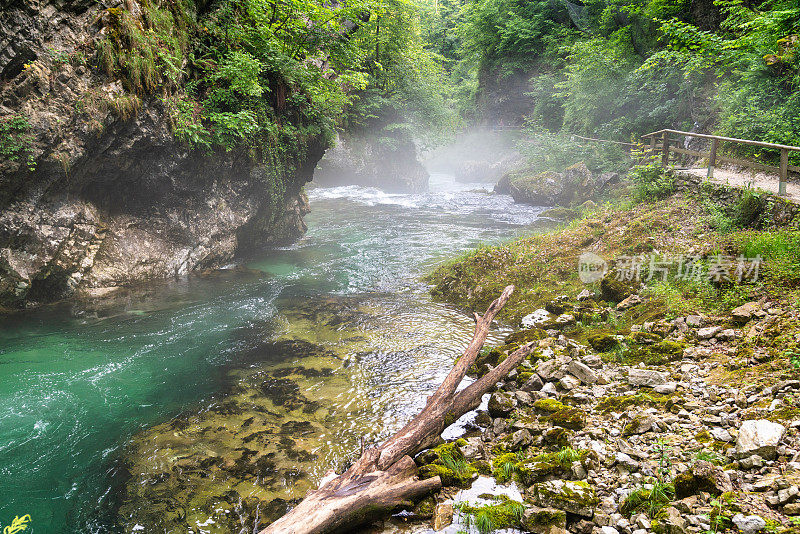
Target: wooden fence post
(712, 158)
(784, 171)
(665, 148)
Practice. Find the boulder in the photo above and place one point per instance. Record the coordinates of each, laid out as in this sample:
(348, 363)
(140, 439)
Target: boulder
(702, 476)
(640, 424)
(574, 497)
(542, 189)
(646, 377)
(749, 524)
(500, 404)
(745, 312)
(582, 372)
(614, 290)
(602, 342)
(544, 520)
(442, 516)
(708, 332)
(759, 437)
(670, 522)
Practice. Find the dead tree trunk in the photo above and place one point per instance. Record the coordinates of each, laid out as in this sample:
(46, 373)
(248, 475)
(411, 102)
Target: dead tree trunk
(385, 477)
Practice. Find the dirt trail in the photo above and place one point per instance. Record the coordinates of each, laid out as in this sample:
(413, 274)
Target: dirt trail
(758, 180)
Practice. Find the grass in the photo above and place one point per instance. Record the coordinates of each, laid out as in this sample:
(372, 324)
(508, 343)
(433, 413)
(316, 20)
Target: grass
(487, 518)
(650, 499)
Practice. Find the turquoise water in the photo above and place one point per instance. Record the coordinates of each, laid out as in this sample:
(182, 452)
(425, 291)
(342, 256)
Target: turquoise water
(77, 383)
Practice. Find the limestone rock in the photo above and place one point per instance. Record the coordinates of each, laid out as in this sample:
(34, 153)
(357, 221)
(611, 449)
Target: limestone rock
(582, 372)
(574, 497)
(629, 302)
(500, 404)
(646, 377)
(745, 312)
(708, 332)
(759, 437)
(544, 520)
(442, 516)
(702, 476)
(749, 524)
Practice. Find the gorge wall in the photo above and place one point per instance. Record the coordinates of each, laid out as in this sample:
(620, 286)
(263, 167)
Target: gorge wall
(95, 190)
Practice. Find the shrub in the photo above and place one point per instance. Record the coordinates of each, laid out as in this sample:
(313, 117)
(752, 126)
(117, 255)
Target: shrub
(651, 182)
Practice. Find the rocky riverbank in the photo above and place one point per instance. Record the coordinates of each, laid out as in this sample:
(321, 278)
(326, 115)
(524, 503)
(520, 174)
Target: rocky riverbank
(667, 406)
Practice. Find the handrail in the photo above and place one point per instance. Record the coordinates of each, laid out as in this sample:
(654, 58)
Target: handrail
(727, 139)
(783, 169)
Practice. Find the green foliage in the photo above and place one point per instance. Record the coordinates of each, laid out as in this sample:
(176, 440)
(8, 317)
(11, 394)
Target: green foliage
(508, 513)
(780, 253)
(650, 498)
(548, 151)
(651, 182)
(15, 139)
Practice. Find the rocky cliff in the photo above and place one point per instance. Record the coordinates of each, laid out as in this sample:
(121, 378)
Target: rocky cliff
(96, 192)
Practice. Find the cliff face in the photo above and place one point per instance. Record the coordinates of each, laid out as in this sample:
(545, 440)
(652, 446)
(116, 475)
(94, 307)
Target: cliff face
(95, 191)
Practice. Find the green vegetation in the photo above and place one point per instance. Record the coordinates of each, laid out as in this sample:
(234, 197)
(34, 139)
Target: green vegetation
(490, 517)
(617, 69)
(15, 138)
(650, 499)
(271, 78)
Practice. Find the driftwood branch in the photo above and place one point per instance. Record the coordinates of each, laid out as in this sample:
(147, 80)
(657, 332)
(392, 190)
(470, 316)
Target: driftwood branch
(386, 477)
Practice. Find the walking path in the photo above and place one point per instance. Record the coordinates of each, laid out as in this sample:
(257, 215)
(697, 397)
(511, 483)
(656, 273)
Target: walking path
(758, 180)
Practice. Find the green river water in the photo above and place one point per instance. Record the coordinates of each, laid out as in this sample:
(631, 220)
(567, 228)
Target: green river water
(325, 341)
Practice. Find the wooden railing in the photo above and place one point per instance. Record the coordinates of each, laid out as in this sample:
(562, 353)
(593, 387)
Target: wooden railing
(669, 145)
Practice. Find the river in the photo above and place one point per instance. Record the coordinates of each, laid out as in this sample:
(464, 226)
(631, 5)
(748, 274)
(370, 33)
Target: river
(88, 394)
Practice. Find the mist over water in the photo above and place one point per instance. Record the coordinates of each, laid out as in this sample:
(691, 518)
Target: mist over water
(76, 386)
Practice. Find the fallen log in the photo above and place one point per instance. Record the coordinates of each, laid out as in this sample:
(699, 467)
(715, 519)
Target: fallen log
(384, 478)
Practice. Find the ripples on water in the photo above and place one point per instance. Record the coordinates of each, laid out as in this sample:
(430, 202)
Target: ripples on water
(77, 385)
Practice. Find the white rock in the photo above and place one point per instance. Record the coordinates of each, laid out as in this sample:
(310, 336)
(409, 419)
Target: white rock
(759, 437)
(721, 434)
(694, 321)
(646, 377)
(708, 332)
(582, 372)
(749, 524)
(666, 389)
(537, 317)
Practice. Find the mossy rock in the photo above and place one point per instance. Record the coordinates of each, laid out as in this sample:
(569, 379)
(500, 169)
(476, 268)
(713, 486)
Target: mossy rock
(656, 354)
(701, 477)
(545, 466)
(461, 478)
(442, 452)
(621, 403)
(571, 418)
(602, 342)
(544, 520)
(644, 338)
(521, 337)
(548, 406)
(613, 290)
(556, 438)
(543, 189)
(500, 404)
(424, 509)
(573, 496)
(560, 214)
